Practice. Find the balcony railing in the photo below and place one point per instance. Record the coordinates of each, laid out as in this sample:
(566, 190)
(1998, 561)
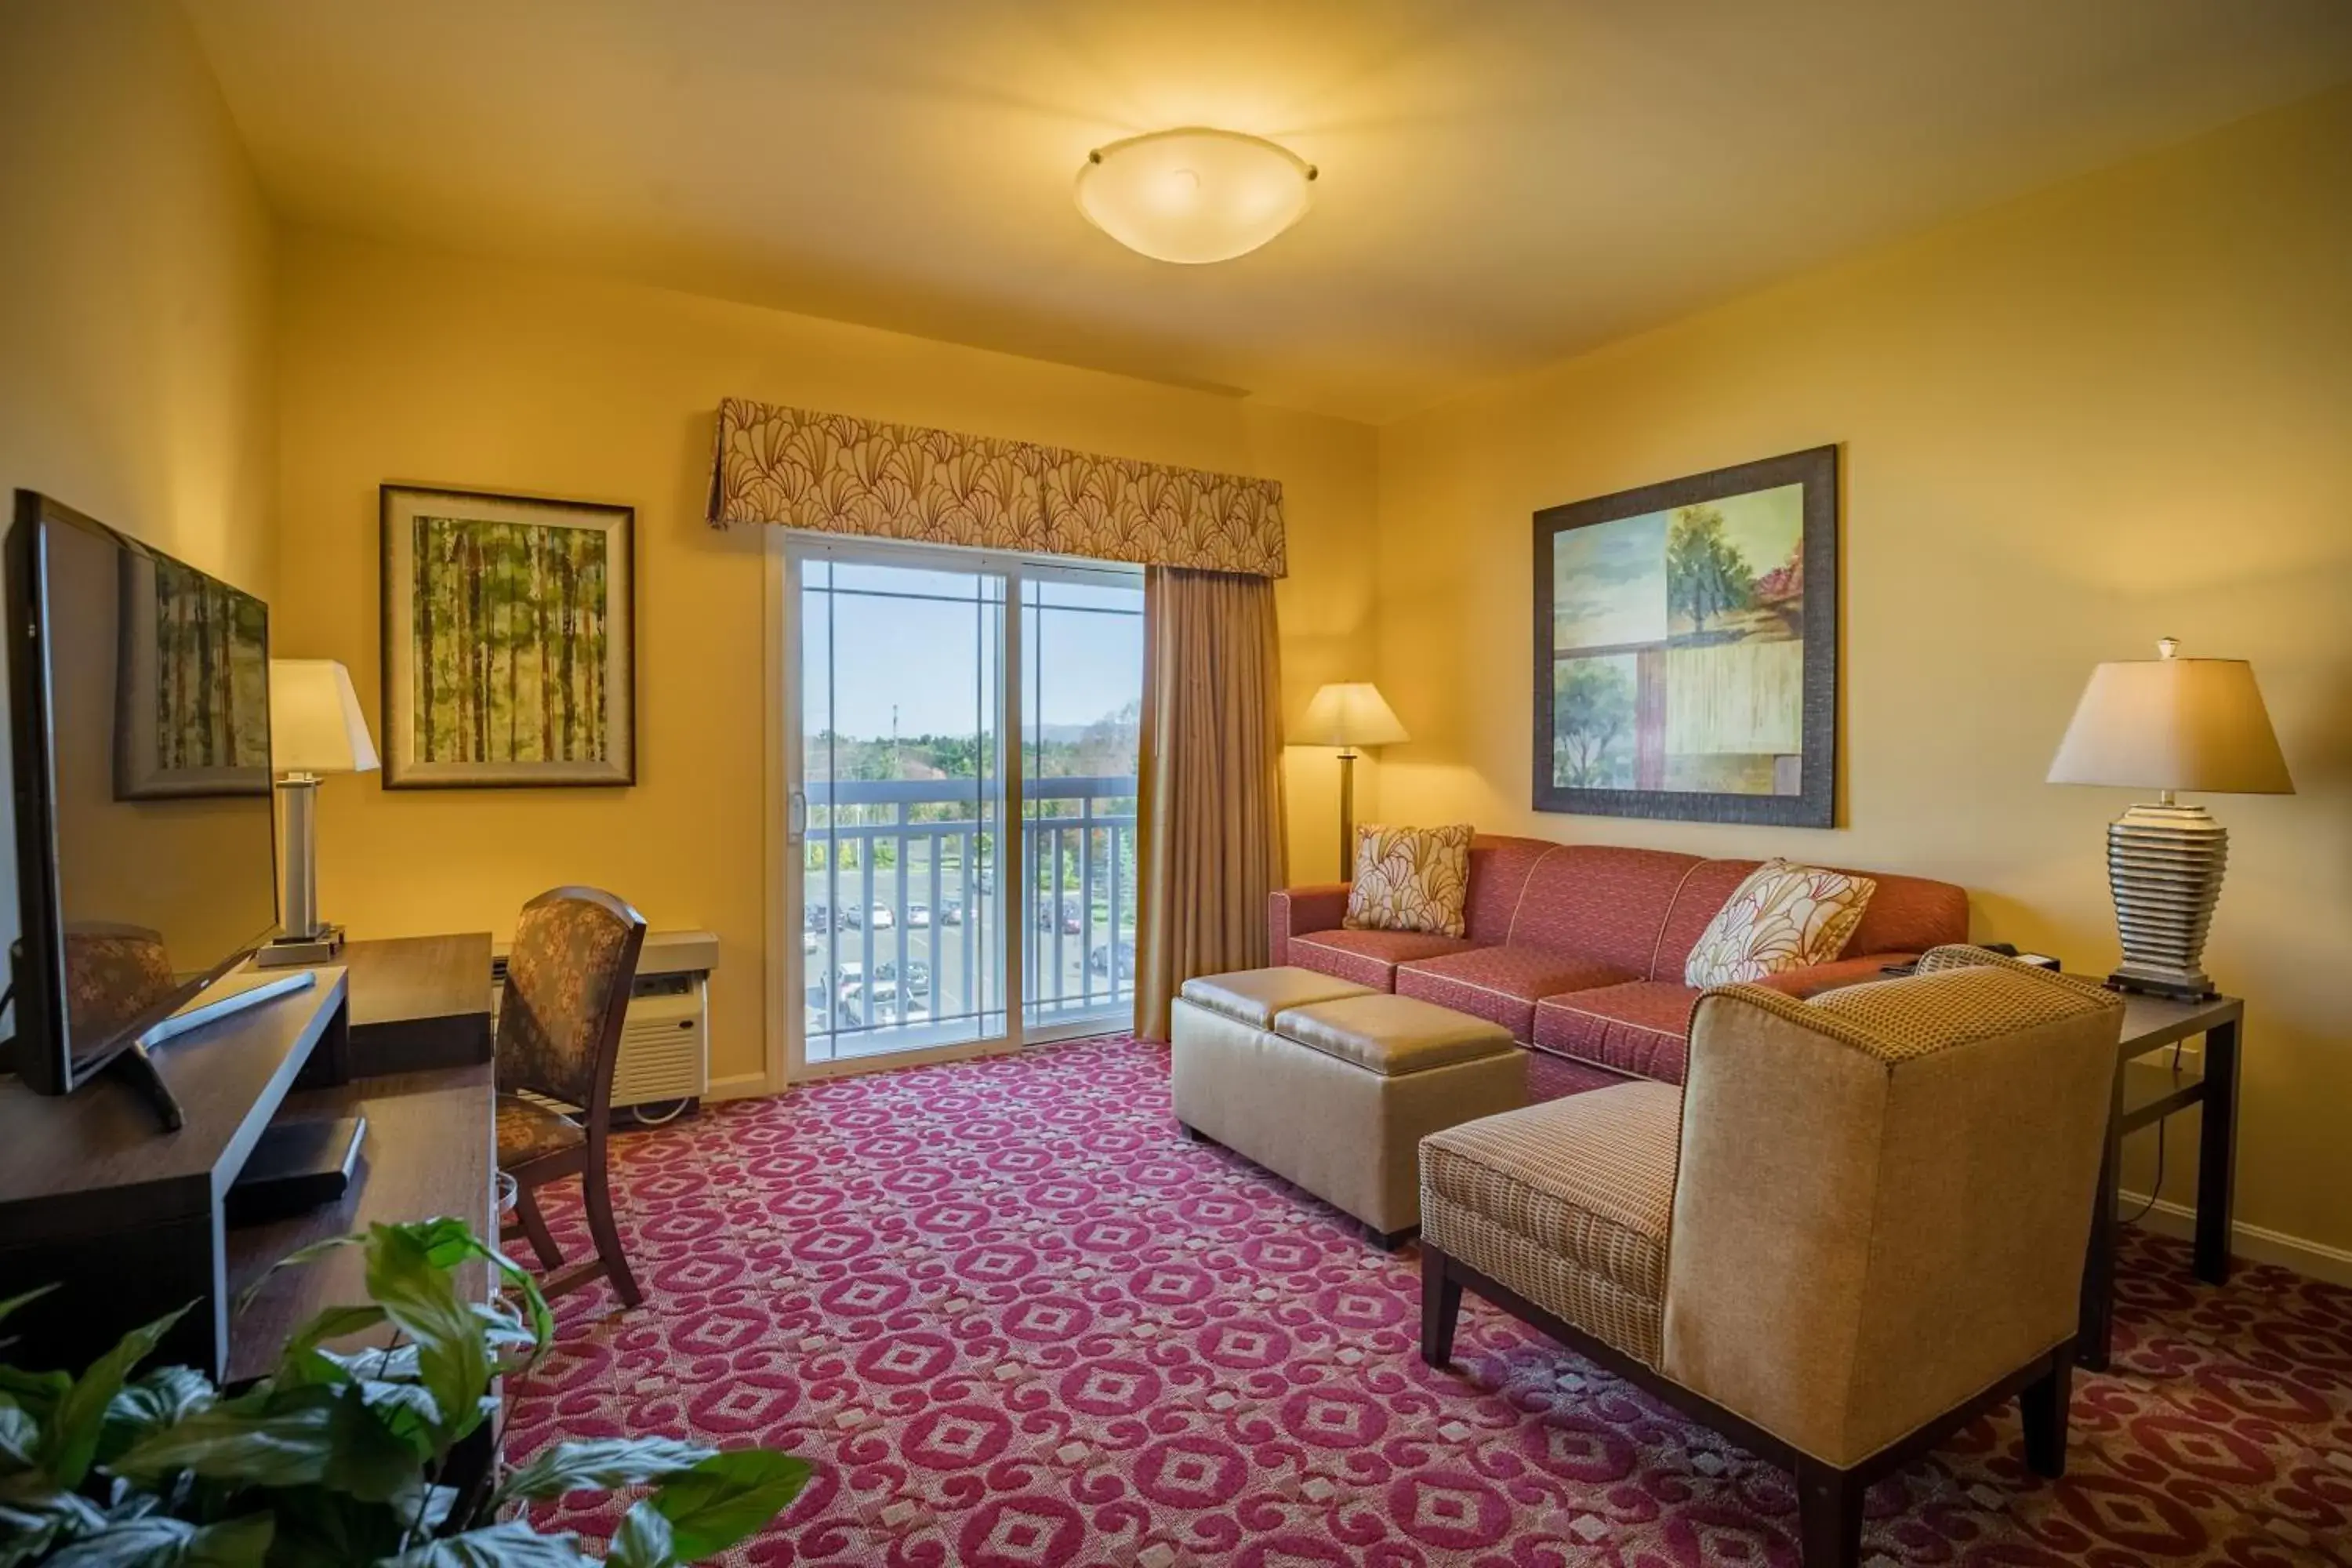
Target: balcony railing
(901, 878)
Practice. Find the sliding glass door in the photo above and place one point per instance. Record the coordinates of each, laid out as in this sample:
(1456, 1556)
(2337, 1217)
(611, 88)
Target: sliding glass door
(947, 893)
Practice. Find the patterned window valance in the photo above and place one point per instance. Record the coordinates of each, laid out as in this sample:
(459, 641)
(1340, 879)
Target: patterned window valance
(835, 474)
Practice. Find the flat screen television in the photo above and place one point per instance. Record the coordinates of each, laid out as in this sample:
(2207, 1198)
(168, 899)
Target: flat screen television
(146, 855)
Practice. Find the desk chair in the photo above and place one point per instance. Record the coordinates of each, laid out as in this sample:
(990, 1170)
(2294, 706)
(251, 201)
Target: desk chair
(568, 977)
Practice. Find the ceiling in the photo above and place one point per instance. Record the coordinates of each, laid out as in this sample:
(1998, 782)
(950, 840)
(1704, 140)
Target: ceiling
(1504, 182)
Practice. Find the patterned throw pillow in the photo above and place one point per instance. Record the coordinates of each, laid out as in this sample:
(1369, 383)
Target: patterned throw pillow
(1784, 916)
(1411, 879)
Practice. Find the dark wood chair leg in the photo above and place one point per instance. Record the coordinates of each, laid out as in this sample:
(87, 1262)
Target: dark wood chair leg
(1441, 1306)
(534, 1227)
(608, 1237)
(1828, 1515)
(2041, 1405)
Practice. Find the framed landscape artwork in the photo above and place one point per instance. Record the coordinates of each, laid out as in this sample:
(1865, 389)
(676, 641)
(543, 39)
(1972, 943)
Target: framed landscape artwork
(509, 637)
(1686, 647)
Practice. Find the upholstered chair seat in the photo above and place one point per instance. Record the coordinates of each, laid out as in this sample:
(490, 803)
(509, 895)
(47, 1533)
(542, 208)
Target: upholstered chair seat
(528, 1130)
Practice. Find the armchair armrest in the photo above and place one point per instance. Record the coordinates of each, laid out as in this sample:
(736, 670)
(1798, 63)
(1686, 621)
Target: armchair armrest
(1294, 911)
(1815, 978)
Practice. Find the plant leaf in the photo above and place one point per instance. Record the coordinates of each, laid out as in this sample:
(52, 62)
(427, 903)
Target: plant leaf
(601, 1463)
(33, 1521)
(157, 1541)
(510, 1545)
(727, 1497)
(80, 1415)
(643, 1541)
(407, 1412)
(287, 1446)
(295, 1259)
(20, 1435)
(364, 1459)
(300, 1362)
(148, 1404)
(8, 1307)
(452, 1360)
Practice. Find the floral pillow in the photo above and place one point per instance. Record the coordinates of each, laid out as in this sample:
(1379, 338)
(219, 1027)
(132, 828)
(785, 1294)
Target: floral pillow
(1784, 916)
(1411, 879)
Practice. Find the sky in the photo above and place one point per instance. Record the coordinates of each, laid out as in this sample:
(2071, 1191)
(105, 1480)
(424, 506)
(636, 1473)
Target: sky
(930, 657)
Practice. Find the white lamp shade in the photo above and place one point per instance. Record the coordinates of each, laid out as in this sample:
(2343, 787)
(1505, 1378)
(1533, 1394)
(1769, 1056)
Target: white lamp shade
(1194, 195)
(1350, 713)
(315, 722)
(2175, 724)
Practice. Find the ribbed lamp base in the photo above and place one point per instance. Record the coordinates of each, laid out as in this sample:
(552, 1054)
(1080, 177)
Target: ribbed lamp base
(2164, 865)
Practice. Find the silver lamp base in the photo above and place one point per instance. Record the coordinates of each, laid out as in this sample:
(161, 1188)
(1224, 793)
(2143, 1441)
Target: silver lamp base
(2163, 863)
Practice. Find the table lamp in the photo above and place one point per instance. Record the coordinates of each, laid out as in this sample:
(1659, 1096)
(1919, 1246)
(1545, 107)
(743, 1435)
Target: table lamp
(2169, 724)
(315, 728)
(1349, 714)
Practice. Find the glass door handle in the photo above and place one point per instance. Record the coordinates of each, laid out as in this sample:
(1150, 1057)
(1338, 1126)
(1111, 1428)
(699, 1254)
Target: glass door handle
(795, 817)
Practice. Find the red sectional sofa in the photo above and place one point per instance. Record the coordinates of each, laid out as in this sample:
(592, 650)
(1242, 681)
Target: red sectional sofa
(1577, 948)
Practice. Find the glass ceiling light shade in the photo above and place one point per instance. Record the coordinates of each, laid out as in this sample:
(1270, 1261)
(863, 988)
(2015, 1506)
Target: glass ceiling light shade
(1195, 194)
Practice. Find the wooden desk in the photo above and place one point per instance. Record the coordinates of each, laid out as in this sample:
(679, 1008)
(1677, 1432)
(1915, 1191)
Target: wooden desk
(418, 1002)
(429, 1151)
(2142, 1095)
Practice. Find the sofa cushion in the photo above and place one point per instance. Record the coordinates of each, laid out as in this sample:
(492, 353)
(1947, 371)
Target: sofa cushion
(1253, 997)
(1642, 1027)
(1603, 902)
(1783, 916)
(1370, 957)
(1411, 879)
(1567, 1203)
(1502, 984)
(1499, 867)
(1393, 1036)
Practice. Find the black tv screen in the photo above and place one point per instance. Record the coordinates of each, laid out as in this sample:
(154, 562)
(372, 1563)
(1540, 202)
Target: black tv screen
(140, 718)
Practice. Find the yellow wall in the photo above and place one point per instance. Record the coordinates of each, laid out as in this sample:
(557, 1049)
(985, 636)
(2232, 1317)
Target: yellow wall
(399, 366)
(2117, 410)
(136, 294)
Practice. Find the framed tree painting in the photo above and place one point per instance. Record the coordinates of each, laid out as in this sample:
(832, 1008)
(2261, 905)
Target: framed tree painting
(509, 633)
(1686, 647)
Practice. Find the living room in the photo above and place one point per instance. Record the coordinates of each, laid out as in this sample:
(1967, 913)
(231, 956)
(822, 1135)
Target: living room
(2053, 296)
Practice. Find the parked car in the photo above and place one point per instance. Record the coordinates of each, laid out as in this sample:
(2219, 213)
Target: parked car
(887, 1007)
(984, 879)
(817, 917)
(851, 918)
(808, 941)
(951, 912)
(1099, 960)
(815, 1013)
(880, 917)
(919, 917)
(1073, 916)
(916, 976)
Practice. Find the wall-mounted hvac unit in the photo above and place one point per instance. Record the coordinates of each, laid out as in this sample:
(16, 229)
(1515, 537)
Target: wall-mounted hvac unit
(664, 1061)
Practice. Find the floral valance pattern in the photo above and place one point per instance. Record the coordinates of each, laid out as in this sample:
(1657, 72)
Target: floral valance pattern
(832, 473)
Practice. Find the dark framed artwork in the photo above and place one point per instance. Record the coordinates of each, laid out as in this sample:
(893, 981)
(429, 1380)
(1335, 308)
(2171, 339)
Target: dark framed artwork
(1686, 647)
(509, 633)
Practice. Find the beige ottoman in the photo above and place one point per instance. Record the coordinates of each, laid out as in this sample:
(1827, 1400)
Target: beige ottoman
(1333, 1085)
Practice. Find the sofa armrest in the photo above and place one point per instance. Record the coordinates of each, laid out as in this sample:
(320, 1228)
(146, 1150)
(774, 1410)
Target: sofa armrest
(1815, 978)
(1294, 911)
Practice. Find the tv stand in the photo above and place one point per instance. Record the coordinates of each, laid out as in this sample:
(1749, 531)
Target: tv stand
(132, 1067)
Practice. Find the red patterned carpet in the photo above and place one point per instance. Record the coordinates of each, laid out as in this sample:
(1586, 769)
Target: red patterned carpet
(1014, 1319)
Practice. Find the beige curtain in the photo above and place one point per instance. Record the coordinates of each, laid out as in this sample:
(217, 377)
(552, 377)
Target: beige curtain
(1210, 814)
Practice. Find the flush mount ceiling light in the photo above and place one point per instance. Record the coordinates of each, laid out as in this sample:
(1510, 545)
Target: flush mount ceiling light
(1195, 195)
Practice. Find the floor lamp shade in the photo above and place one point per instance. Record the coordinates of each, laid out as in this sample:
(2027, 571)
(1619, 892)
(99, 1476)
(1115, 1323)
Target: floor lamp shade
(2167, 724)
(315, 727)
(1349, 714)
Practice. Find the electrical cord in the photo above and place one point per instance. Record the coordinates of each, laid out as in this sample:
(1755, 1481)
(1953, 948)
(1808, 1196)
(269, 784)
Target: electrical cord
(2156, 1188)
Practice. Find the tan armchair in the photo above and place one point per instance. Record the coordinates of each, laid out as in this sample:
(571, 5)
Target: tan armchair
(1861, 1222)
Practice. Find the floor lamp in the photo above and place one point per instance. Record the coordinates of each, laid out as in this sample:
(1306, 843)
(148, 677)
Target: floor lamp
(1349, 714)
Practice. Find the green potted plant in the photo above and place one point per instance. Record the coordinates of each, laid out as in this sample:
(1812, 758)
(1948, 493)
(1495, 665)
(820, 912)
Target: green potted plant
(348, 1457)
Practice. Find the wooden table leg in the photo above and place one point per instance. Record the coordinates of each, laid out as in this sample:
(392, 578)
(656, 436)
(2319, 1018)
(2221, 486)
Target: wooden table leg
(2216, 1154)
(2096, 1324)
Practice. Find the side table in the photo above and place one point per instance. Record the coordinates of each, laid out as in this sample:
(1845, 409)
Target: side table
(2150, 1024)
